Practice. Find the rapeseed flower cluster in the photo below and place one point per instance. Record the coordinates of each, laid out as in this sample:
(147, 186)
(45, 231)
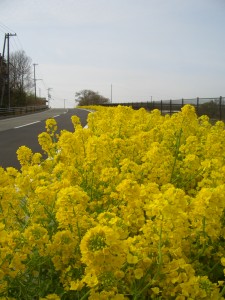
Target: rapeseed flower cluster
(132, 207)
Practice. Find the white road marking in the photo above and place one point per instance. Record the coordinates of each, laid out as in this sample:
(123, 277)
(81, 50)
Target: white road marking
(56, 116)
(27, 124)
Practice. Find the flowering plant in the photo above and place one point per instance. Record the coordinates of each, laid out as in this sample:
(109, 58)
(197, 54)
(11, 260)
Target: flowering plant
(131, 207)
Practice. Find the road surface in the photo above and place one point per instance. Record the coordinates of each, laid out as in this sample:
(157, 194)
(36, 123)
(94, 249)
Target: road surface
(24, 130)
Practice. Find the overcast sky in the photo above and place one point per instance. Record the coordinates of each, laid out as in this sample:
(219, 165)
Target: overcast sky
(164, 49)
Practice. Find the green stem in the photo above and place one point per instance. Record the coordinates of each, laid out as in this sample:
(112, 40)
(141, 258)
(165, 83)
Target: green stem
(204, 244)
(212, 269)
(204, 235)
(85, 295)
(78, 231)
(222, 293)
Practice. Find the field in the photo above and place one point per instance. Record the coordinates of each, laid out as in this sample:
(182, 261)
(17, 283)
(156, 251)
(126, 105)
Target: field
(132, 207)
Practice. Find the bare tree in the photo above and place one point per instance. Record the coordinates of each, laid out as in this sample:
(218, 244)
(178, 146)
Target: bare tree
(20, 77)
(20, 71)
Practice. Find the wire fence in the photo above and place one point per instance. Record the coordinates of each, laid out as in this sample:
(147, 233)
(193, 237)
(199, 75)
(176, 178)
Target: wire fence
(214, 108)
(16, 111)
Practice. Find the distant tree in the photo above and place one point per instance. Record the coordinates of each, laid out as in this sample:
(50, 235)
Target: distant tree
(89, 97)
(20, 71)
(20, 76)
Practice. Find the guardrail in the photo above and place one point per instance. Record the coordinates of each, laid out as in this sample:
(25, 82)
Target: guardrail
(212, 107)
(16, 111)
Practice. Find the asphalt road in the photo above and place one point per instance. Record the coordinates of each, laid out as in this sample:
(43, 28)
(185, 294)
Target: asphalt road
(24, 130)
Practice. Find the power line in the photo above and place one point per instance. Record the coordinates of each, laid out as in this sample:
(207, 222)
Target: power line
(20, 42)
(41, 75)
(2, 30)
(6, 28)
(15, 43)
(35, 87)
(44, 84)
(13, 46)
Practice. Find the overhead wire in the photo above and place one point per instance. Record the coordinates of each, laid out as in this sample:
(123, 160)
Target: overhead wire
(7, 28)
(45, 85)
(14, 40)
(12, 45)
(18, 39)
(2, 31)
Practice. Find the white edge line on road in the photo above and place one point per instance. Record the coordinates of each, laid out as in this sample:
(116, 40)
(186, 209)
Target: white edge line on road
(56, 116)
(27, 124)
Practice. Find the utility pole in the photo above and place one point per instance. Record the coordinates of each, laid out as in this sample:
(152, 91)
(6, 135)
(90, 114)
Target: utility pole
(7, 36)
(35, 88)
(64, 103)
(3, 73)
(49, 96)
(111, 93)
